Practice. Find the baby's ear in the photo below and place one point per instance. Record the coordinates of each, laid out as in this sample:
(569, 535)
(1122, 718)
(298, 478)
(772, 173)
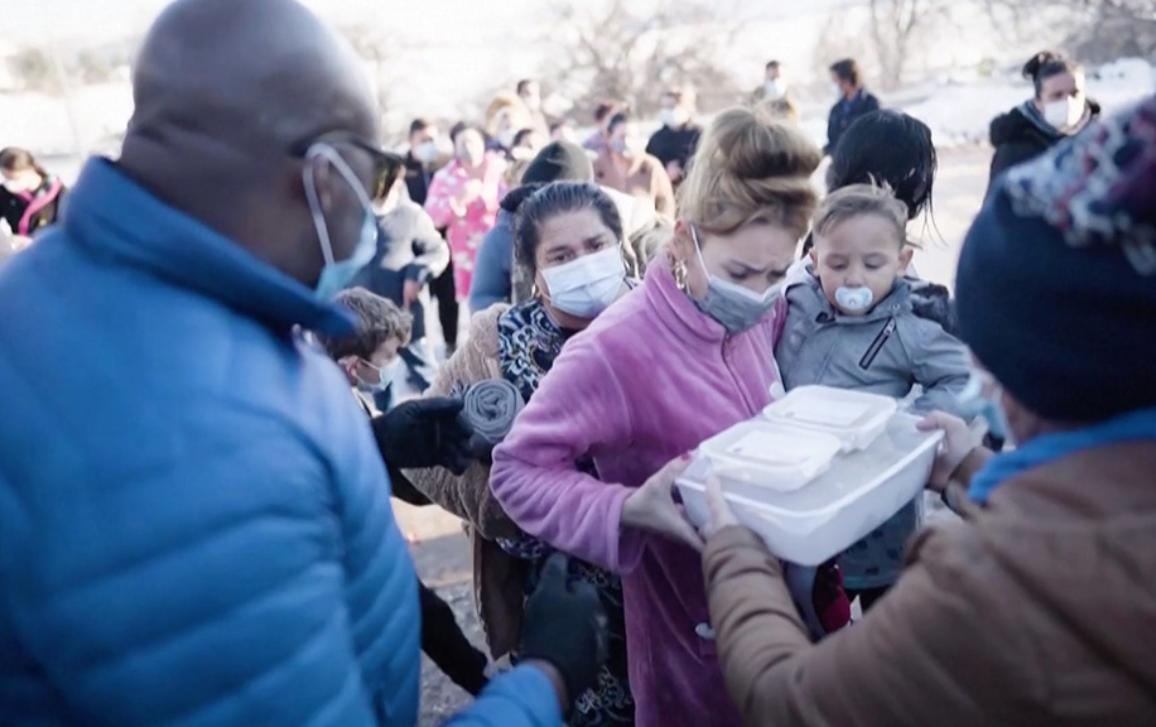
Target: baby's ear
(814, 254)
(905, 256)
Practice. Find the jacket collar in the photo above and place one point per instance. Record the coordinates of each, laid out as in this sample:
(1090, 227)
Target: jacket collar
(809, 294)
(113, 216)
(675, 309)
(1033, 117)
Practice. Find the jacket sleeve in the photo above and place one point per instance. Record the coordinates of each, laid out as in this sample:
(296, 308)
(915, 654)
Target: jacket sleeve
(262, 602)
(578, 407)
(1008, 155)
(911, 660)
(522, 697)
(431, 252)
(829, 149)
(492, 282)
(468, 496)
(941, 365)
(437, 201)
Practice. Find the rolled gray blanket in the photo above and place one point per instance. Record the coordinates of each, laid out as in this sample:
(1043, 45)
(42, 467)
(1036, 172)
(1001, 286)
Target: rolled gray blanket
(489, 409)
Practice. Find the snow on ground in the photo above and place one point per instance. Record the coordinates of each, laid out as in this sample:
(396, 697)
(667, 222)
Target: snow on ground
(958, 111)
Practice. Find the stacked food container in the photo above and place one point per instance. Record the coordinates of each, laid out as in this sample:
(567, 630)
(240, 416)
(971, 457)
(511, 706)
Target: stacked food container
(820, 469)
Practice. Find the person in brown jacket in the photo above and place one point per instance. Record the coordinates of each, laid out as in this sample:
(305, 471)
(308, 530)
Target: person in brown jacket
(624, 165)
(569, 236)
(1039, 607)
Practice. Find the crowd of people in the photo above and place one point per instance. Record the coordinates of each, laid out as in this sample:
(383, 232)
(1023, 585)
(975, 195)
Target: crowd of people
(208, 537)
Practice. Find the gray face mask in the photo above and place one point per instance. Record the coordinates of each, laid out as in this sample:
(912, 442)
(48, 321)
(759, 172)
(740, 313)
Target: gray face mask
(732, 305)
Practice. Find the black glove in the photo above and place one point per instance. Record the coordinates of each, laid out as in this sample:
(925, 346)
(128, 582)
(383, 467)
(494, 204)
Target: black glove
(424, 433)
(565, 625)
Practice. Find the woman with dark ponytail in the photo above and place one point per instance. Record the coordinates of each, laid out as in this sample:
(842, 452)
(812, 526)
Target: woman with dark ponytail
(568, 238)
(1059, 108)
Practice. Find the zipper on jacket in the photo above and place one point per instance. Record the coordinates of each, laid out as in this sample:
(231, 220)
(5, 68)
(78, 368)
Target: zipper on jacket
(877, 345)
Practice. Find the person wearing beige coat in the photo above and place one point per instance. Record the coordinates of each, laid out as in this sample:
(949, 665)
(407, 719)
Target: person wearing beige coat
(567, 234)
(1039, 608)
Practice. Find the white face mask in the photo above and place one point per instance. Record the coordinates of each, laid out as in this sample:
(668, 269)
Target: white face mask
(385, 375)
(22, 184)
(775, 89)
(472, 152)
(837, 88)
(587, 286)
(631, 146)
(673, 117)
(426, 152)
(1064, 114)
(506, 137)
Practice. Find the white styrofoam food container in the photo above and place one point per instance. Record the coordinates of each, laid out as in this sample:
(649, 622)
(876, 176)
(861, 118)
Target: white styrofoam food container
(860, 491)
(770, 455)
(855, 417)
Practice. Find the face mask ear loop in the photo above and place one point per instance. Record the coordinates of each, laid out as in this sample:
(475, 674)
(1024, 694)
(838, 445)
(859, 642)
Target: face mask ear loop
(698, 249)
(314, 199)
(329, 154)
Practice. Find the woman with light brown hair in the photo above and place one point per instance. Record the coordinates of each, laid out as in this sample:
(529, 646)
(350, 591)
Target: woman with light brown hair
(679, 359)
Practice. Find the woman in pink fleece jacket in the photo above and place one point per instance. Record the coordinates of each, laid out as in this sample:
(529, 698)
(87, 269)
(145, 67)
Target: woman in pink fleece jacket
(681, 358)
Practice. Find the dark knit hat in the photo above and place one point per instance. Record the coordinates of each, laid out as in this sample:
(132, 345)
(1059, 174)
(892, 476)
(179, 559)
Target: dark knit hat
(1056, 287)
(559, 161)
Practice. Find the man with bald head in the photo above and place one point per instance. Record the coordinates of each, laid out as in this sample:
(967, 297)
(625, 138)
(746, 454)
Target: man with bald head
(195, 524)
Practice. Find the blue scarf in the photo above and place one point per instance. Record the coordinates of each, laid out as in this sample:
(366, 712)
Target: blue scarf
(1128, 427)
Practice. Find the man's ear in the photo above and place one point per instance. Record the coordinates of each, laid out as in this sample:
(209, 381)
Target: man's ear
(322, 173)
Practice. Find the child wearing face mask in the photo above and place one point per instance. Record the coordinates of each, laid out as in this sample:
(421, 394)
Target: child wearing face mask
(854, 323)
(369, 361)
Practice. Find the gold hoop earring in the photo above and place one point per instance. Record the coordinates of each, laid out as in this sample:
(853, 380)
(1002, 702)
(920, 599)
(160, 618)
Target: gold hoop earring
(680, 275)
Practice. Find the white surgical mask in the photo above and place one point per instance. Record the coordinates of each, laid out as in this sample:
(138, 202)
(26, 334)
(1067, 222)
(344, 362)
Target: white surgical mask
(426, 152)
(472, 154)
(837, 88)
(1065, 113)
(775, 89)
(673, 117)
(587, 286)
(336, 274)
(630, 146)
(23, 184)
(736, 307)
(856, 299)
(506, 137)
(385, 375)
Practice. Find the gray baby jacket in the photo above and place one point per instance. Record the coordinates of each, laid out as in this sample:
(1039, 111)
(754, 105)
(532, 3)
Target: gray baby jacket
(887, 351)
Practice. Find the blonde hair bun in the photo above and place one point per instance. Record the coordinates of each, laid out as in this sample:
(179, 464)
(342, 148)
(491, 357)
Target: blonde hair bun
(751, 168)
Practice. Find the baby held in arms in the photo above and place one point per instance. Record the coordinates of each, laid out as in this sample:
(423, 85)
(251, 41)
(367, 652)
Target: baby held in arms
(856, 322)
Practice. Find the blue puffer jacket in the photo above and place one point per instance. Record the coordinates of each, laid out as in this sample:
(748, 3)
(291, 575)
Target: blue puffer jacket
(195, 524)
